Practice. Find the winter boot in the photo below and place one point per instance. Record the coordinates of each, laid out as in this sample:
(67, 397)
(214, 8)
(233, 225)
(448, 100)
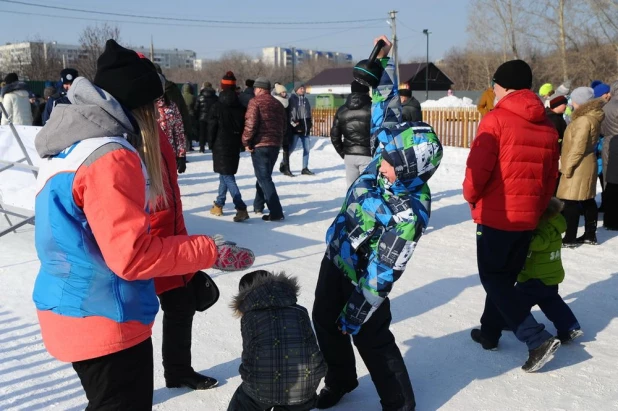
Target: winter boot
(477, 336)
(284, 167)
(538, 357)
(270, 217)
(241, 215)
(330, 396)
(307, 172)
(194, 380)
(568, 337)
(216, 210)
(590, 235)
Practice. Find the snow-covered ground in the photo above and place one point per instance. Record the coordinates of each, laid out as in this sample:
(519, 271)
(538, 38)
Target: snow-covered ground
(435, 304)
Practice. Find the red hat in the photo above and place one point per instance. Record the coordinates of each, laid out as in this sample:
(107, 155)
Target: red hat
(228, 81)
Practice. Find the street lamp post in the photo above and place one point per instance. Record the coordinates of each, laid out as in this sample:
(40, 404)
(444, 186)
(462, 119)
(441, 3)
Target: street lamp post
(426, 32)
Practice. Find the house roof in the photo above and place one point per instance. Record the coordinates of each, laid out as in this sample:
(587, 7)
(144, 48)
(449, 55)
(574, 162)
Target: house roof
(409, 73)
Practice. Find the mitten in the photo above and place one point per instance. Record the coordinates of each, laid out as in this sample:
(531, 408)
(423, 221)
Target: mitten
(181, 164)
(231, 257)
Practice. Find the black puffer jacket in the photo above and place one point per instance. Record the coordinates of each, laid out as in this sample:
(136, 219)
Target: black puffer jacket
(281, 361)
(226, 122)
(205, 100)
(558, 121)
(350, 132)
(411, 110)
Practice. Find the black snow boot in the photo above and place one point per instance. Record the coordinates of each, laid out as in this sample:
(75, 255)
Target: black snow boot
(538, 357)
(330, 396)
(193, 380)
(284, 166)
(590, 235)
(486, 343)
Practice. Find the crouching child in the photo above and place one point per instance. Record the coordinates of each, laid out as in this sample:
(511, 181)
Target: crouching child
(282, 365)
(537, 284)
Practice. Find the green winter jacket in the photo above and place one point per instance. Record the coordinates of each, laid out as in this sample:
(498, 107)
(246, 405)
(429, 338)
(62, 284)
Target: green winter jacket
(544, 261)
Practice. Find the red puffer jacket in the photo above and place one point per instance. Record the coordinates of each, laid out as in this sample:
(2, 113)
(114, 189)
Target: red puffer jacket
(512, 167)
(169, 221)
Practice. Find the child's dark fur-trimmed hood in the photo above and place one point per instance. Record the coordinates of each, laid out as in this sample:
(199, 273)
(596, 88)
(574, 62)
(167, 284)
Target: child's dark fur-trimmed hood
(276, 290)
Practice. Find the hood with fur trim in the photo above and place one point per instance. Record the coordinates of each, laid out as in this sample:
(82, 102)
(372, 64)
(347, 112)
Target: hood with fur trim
(592, 108)
(277, 290)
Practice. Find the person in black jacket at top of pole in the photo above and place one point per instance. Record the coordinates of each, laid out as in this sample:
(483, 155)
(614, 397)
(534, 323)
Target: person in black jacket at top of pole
(350, 133)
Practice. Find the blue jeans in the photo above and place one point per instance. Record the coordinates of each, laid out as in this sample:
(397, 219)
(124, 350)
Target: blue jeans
(305, 142)
(501, 255)
(226, 183)
(535, 292)
(264, 159)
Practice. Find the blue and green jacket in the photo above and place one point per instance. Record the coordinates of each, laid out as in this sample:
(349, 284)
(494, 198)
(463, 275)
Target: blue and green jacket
(373, 236)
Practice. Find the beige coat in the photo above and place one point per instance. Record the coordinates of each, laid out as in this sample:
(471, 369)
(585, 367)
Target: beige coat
(578, 159)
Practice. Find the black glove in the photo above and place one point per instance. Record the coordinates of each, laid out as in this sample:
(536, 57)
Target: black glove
(181, 164)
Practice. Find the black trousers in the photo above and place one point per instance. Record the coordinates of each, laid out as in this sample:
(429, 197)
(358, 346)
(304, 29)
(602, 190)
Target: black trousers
(571, 213)
(178, 307)
(375, 343)
(241, 401)
(122, 381)
(610, 205)
(203, 134)
(501, 255)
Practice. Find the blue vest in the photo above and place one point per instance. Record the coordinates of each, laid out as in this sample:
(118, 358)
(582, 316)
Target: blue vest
(74, 279)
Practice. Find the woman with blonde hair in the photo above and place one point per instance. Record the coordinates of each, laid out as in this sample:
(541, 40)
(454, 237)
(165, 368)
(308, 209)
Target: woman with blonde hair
(100, 174)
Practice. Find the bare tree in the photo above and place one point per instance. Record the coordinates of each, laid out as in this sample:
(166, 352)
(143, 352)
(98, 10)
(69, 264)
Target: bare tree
(45, 63)
(92, 43)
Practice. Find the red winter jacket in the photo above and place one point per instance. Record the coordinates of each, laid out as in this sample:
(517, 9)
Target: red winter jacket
(512, 167)
(169, 221)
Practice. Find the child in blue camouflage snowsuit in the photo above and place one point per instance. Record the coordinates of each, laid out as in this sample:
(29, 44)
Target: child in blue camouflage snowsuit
(368, 246)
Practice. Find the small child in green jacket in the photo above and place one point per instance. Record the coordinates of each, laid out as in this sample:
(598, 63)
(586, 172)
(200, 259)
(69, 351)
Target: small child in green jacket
(537, 284)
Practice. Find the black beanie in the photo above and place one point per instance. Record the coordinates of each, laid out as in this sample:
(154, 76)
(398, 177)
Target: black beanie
(11, 78)
(249, 82)
(358, 87)
(514, 75)
(132, 81)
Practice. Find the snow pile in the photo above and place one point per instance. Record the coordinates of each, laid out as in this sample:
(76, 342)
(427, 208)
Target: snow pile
(434, 304)
(448, 102)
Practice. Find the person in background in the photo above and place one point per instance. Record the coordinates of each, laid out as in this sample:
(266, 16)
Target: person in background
(281, 94)
(300, 118)
(67, 76)
(555, 113)
(37, 120)
(248, 93)
(578, 183)
(267, 304)
(190, 130)
(546, 92)
(265, 128)
(486, 102)
(15, 99)
(34, 109)
(171, 123)
(602, 91)
(410, 106)
(93, 232)
(173, 94)
(226, 122)
(351, 134)
(205, 100)
(511, 175)
(609, 154)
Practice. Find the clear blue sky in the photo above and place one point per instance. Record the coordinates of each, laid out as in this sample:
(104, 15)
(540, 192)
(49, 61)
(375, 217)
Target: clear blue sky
(446, 20)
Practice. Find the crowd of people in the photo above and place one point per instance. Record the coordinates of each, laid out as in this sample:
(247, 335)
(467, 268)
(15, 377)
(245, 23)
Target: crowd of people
(111, 237)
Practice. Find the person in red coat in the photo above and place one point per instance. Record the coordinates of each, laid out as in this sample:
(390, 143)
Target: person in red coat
(175, 293)
(511, 175)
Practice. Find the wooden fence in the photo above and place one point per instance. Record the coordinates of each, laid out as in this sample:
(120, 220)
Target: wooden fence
(454, 126)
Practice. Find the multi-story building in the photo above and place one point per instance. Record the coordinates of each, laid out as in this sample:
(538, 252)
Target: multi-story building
(13, 57)
(284, 56)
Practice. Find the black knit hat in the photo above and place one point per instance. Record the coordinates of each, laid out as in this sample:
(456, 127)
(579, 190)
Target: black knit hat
(11, 78)
(68, 75)
(358, 87)
(132, 81)
(249, 82)
(558, 101)
(405, 92)
(514, 75)
(228, 81)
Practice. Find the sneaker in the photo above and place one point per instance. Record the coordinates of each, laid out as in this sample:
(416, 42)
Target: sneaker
(330, 396)
(241, 215)
(570, 244)
(216, 210)
(268, 217)
(195, 381)
(590, 239)
(307, 172)
(568, 337)
(538, 357)
(486, 343)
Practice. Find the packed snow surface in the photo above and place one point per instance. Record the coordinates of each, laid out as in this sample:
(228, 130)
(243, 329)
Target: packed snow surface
(449, 102)
(434, 304)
